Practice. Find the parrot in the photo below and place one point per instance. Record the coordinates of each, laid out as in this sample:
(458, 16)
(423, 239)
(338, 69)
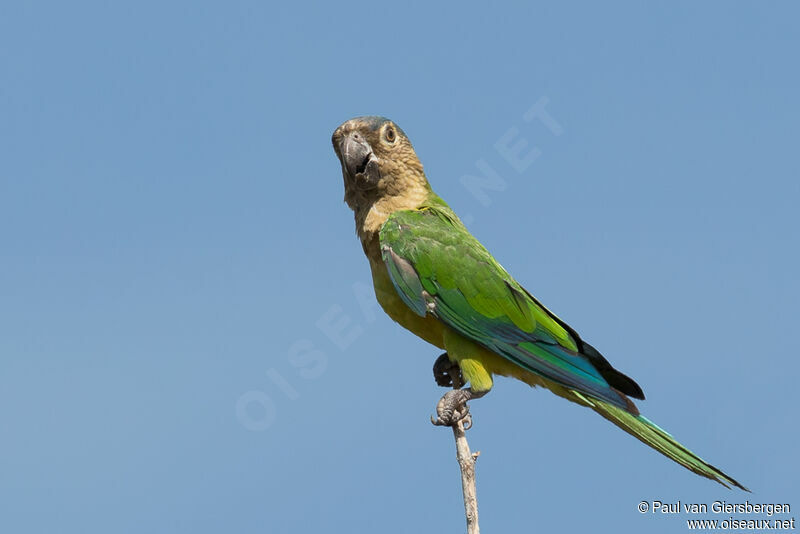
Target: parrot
(431, 276)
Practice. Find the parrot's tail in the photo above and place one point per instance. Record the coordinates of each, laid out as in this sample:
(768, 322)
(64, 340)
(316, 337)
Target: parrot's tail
(659, 439)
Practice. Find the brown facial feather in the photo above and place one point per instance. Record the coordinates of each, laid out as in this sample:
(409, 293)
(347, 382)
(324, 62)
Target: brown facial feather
(399, 183)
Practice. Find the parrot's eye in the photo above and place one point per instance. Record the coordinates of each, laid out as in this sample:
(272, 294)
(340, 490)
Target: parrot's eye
(389, 134)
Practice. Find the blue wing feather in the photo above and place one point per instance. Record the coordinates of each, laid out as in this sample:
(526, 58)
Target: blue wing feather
(537, 351)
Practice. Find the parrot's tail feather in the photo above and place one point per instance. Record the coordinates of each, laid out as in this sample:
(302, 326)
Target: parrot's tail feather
(659, 439)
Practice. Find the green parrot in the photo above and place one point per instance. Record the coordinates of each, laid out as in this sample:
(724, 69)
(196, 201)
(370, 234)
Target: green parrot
(435, 279)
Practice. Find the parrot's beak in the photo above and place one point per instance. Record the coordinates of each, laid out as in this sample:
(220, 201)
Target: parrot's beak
(358, 159)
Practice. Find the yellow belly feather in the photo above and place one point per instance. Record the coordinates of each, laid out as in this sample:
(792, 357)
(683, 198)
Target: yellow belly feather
(477, 363)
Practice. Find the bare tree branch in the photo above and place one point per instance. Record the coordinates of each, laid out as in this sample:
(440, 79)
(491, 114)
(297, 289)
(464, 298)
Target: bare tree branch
(466, 461)
(448, 373)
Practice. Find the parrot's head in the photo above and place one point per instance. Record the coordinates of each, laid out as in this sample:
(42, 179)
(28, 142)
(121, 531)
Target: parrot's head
(377, 159)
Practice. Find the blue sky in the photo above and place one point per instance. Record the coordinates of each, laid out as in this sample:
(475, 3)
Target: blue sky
(187, 338)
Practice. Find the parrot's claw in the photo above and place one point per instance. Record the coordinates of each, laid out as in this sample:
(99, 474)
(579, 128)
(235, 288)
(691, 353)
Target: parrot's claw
(446, 373)
(452, 407)
(467, 421)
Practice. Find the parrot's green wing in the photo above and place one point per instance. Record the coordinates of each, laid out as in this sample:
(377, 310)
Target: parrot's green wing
(438, 267)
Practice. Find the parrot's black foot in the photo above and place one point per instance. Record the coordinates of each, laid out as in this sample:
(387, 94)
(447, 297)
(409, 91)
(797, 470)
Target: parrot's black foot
(446, 373)
(452, 407)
